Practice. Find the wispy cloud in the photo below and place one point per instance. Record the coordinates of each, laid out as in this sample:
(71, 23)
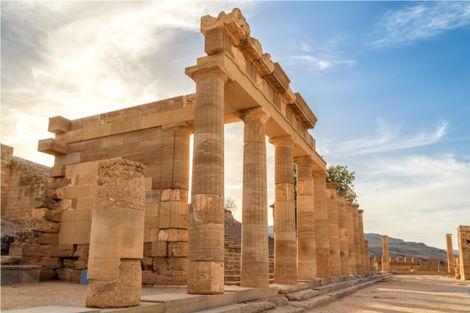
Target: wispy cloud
(317, 63)
(421, 21)
(78, 58)
(389, 138)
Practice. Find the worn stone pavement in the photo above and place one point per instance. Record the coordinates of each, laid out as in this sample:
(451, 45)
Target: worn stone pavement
(406, 293)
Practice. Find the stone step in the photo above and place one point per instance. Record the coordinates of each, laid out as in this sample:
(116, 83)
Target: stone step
(286, 309)
(247, 307)
(332, 296)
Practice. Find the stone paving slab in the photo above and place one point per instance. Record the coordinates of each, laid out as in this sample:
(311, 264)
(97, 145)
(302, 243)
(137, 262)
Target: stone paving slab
(55, 309)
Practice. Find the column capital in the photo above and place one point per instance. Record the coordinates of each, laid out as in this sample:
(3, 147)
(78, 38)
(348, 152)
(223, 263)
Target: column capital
(349, 201)
(303, 160)
(332, 185)
(355, 206)
(449, 235)
(360, 211)
(284, 141)
(196, 73)
(384, 236)
(257, 114)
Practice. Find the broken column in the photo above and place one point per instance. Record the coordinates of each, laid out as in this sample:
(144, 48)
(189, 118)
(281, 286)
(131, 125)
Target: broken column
(333, 229)
(357, 241)
(385, 261)
(321, 224)
(306, 269)
(206, 215)
(285, 241)
(254, 245)
(361, 240)
(450, 255)
(351, 236)
(343, 236)
(117, 235)
(463, 237)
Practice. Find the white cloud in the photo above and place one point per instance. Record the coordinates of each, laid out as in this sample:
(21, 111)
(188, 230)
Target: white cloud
(415, 197)
(81, 58)
(318, 63)
(388, 138)
(421, 21)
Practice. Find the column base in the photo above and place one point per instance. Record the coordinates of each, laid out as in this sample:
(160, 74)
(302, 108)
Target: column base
(206, 277)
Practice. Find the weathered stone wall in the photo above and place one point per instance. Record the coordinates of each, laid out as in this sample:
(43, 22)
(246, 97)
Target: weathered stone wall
(22, 182)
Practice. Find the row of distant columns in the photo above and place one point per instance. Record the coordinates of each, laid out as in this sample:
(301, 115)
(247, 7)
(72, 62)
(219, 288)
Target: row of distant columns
(307, 246)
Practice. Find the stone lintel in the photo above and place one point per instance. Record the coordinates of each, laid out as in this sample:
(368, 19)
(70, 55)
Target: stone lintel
(282, 141)
(58, 125)
(52, 147)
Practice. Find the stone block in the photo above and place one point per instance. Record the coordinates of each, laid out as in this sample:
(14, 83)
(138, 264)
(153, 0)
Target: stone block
(177, 249)
(19, 274)
(177, 264)
(65, 250)
(75, 227)
(58, 125)
(68, 274)
(207, 277)
(173, 235)
(159, 249)
(52, 147)
(78, 191)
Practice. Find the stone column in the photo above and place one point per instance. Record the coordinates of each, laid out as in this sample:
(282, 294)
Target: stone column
(206, 214)
(385, 262)
(361, 240)
(366, 247)
(351, 236)
(343, 236)
(450, 255)
(357, 241)
(457, 268)
(285, 241)
(333, 229)
(306, 269)
(255, 257)
(321, 224)
(463, 237)
(117, 235)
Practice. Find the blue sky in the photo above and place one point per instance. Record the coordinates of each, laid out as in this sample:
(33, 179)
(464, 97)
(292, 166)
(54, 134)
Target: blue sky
(388, 81)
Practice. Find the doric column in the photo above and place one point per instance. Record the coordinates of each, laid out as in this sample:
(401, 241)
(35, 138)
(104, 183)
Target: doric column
(255, 257)
(385, 261)
(285, 241)
(321, 224)
(366, 247)
(351, 236)
(450, 254)
(343, 236)
(117, 235)
(357, 241)
(361, 240)
(333, 229)
(306, 269)
(206, 215)
(457, 268)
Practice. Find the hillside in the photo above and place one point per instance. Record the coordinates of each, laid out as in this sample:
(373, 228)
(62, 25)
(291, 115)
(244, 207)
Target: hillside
(398, 247)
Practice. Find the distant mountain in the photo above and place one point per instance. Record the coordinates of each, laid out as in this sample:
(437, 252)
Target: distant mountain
(399, 247)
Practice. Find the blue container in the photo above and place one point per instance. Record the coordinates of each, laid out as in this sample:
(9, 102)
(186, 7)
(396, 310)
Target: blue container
(83, 279)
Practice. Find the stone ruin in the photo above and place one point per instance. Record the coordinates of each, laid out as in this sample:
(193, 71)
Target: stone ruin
(115, 202)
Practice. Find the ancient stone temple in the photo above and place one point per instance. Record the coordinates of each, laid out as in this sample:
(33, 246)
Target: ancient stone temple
(121, 181)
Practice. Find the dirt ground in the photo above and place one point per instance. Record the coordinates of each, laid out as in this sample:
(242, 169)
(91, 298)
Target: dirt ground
(57, 293)
(403, 293)
(406, 293)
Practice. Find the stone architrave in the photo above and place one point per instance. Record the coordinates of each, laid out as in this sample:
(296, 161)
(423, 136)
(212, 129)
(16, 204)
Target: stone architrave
(343, 236)
(285, 241)
(117, 235)
(206, 214)
(321, 224)
(361, 240)
(306, 268)
(463, 237)
(351, 236)
(357, 240)
(333, 229)
(385, 261)
(254, 246)
(450, 255)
